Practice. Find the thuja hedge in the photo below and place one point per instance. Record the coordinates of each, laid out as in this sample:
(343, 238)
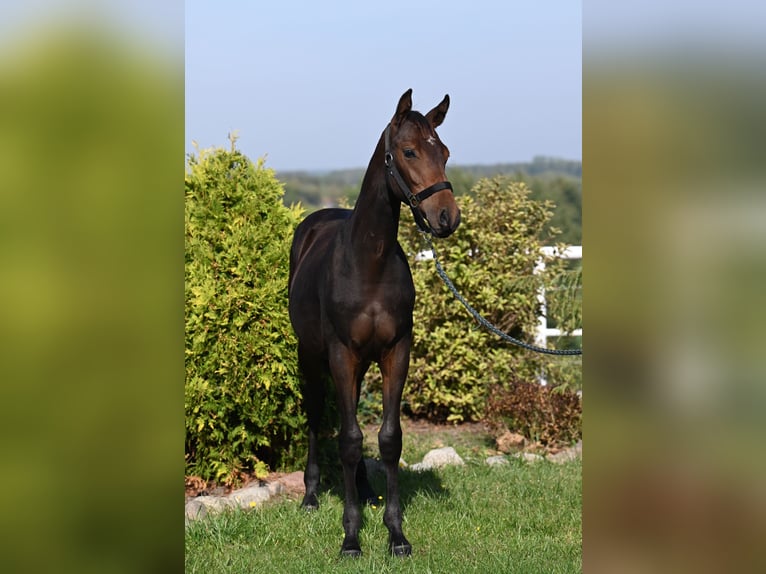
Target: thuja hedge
(242, 393)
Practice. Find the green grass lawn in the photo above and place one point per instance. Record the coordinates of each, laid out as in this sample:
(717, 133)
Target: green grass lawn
(521, 517)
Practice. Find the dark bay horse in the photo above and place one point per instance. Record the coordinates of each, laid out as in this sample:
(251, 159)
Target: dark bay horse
(351, 301)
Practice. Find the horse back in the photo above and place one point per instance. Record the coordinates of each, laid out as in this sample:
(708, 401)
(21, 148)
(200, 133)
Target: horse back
(314, 234)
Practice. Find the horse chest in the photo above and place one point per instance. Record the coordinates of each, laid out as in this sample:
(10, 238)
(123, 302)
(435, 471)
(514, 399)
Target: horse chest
(370, 317)
(370, 313)
(373, 328)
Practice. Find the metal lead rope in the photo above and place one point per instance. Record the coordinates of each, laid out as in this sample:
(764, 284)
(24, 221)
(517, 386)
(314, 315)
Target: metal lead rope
(486, 324)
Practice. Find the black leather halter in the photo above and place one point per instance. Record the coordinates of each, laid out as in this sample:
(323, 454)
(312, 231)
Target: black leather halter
(412, 199)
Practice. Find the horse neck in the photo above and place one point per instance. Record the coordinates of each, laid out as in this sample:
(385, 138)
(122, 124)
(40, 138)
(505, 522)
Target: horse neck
(375, 219)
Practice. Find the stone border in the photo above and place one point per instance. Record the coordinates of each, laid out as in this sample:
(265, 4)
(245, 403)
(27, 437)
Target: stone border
(253, 496)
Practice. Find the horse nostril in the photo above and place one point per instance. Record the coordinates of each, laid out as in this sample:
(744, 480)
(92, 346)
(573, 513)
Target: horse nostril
(444, 217)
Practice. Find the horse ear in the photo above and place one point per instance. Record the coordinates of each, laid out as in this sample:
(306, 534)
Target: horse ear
(436, 116)
(404, 106)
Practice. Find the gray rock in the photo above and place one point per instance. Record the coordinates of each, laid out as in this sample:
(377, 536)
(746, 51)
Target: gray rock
(195, 509)
(497, 460)
(275, 488)
(214, 503)
(250, 496)
(528, 456)
(562, 456)
(293, 482)
(438, 458)
(567, 454)
(202, 506)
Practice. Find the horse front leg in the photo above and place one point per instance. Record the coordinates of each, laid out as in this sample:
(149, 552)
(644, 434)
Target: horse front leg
(364, 491)
(394, 366)
(345, 368)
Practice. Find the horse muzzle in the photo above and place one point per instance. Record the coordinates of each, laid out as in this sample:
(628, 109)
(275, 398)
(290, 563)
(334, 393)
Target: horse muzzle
(442, 214)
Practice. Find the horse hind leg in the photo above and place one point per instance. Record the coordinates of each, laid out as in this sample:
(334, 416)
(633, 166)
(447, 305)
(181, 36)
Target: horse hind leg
(313, 374)
(366, 493)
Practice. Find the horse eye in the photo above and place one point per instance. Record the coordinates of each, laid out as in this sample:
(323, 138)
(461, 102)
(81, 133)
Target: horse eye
(409, 153)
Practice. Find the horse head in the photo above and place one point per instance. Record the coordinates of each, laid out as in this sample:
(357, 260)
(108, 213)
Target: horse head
(415, 160)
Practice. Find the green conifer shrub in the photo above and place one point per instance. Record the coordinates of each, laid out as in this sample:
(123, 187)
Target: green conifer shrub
(242, 393)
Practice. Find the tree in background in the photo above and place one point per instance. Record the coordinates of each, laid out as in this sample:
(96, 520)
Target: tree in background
(242, 393)
(565, 192)
(552, 179)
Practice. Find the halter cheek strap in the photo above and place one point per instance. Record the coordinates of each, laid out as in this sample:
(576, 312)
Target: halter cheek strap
(412, 199)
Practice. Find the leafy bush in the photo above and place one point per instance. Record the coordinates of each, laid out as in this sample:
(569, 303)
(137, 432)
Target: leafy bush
(539, 413)
(491, 260)
(242, 394)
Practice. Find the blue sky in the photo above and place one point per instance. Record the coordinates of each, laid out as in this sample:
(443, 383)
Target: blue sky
(311, 85)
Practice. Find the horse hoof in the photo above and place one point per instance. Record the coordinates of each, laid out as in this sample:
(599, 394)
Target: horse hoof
(310, 503)
(401, 550)
(350, 550)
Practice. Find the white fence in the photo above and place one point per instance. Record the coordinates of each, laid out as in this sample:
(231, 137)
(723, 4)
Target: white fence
(543, 331)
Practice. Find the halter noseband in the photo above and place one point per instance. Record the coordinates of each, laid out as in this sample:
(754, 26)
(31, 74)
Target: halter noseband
(412, 199)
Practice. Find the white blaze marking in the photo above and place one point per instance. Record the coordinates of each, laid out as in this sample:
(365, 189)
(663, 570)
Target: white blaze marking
(431, 140)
